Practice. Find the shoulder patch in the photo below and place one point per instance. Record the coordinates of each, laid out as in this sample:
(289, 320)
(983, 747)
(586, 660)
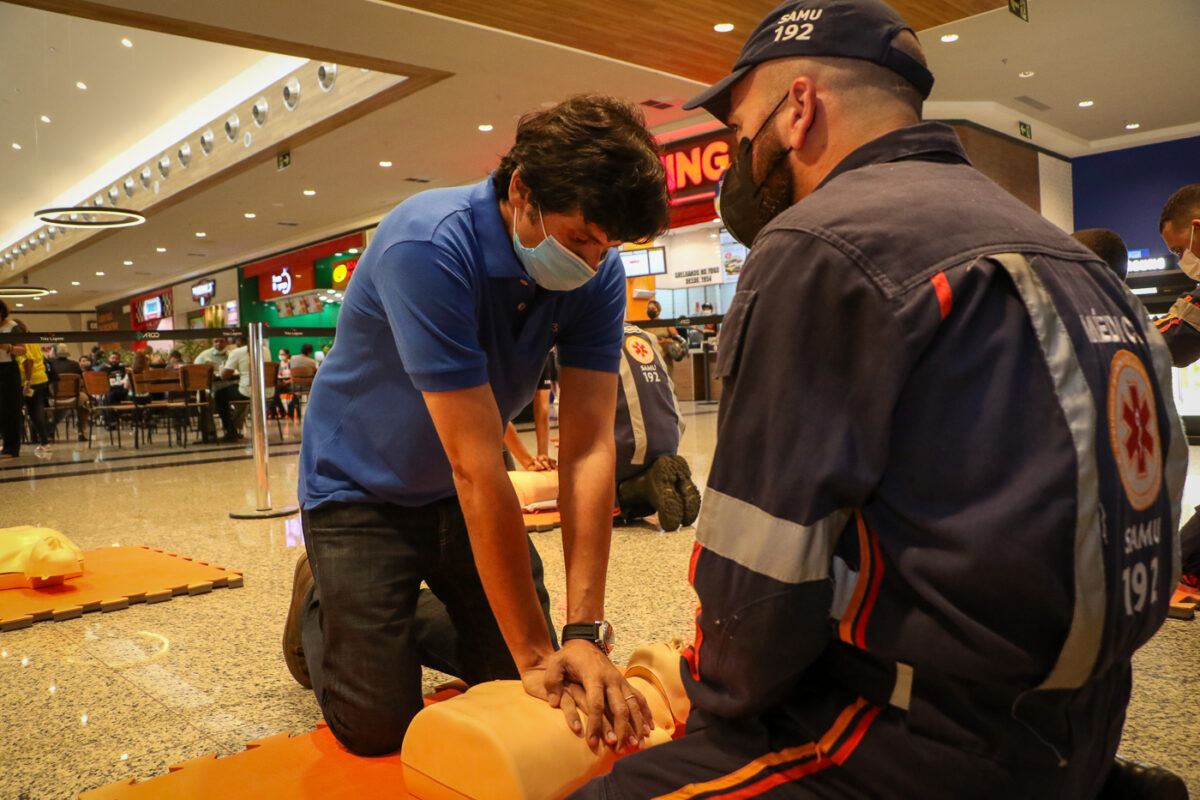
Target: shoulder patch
(637, 347)
(1133, 429)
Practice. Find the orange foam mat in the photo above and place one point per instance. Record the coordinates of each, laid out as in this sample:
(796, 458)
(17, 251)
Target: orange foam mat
(1184, 601)
(113, 578)
(548, 520)
(314, 766)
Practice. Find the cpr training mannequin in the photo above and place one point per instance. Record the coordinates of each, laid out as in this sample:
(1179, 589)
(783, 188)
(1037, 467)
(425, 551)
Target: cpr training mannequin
(32, 557)
(518, 747)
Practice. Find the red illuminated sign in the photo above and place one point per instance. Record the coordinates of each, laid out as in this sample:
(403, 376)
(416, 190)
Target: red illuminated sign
(696, 164)
(285, 281)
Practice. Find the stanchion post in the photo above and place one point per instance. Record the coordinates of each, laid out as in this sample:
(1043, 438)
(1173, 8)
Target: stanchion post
(258, 431)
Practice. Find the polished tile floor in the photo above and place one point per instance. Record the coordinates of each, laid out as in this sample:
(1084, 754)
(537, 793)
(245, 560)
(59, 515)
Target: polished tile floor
(104, 697)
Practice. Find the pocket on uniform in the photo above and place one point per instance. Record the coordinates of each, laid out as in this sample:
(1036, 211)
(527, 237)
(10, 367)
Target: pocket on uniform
(733, 330)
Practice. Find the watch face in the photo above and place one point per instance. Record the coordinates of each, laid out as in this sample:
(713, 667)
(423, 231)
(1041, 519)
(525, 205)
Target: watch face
(604, 633)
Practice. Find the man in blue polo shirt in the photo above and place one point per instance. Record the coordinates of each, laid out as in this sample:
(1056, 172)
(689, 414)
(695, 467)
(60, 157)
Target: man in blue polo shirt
(453, 309)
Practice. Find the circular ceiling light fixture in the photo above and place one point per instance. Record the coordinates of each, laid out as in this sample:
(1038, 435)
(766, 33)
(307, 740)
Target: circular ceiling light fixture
(1026, 74)
(87, 217)
(259, 111)
(1086, 103)
(950, 37)
(23, 291)
(326, 75)
(1132, 126)
(291, 93)
(723, 27)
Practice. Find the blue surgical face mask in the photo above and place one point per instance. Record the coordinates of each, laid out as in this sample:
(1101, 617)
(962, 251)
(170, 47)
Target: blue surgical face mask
(551, 265)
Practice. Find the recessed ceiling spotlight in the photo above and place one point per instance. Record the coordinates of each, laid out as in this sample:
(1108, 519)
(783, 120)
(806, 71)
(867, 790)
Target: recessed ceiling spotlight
(20, 305)
(81, 85)
(1026, 74)
(385, 163)
(74, 283)
(99, 274)
(353, 249)
(200, 234)
(1132, 126)
(127, 43)
(309, 192)
(723, 27)
(950, 37)
(1086, 103)
(128, 263)
(160, 249)
(249, 215)
(16, 146)
(45, 118)
(485, 127)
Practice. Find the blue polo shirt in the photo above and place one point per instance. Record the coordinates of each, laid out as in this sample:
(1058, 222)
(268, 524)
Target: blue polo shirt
(439, 302)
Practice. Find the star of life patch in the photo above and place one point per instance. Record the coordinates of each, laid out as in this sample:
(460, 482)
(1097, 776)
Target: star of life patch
(1133, 429)
(637, 347)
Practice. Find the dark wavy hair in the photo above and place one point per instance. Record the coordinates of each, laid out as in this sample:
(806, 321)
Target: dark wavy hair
(591, 154)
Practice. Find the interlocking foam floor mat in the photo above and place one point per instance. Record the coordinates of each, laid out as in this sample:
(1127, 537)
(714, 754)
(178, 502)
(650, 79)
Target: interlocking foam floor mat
(313, 766)
(114, 578)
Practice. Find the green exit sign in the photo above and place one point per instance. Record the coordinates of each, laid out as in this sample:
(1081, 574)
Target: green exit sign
(1025, 129)
(283, 160)
(1020, 8)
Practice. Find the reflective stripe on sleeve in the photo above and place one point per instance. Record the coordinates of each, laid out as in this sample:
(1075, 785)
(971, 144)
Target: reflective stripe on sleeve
(778, 548)
(1186, 310)
(1082, 644)
(634, 403)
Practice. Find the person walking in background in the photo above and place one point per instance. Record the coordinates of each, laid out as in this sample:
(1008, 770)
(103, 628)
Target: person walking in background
(35, 388)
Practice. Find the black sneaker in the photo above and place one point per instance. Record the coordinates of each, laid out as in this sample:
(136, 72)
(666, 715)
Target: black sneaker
(293, 646)
(1129, 780)
(662, 479)
(687, 490)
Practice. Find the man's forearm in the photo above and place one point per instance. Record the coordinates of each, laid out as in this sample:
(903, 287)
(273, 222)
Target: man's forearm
(541, 420)
(585, 502)
(497, 533)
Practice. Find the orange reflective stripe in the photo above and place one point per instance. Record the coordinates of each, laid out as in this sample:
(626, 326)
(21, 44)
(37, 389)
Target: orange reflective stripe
(816, 751)
(860, 630)
(846, 626)
(945, 297)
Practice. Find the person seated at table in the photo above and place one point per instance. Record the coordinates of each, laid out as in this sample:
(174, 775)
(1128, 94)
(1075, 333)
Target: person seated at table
(63, 364)
(216, 354)
(175, 360)
(118, 391)
(157, 361)
(237, 365)
(305, 359)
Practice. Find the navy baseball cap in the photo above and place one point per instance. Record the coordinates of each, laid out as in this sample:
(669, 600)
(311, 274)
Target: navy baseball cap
(843, 28)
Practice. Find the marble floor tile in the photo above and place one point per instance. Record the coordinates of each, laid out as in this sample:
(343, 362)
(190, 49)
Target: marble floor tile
(163, 683)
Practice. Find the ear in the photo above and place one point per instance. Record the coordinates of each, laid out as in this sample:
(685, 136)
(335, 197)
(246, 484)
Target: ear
(801, 111)
(518, 192)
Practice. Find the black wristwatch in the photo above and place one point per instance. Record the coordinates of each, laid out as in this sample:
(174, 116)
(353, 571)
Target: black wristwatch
(599, 633)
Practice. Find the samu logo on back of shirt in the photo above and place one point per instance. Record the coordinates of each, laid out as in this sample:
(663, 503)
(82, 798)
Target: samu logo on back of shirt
(1133, 429)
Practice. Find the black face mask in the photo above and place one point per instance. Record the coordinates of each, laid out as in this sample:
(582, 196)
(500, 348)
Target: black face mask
(652, 312)
(740, 202)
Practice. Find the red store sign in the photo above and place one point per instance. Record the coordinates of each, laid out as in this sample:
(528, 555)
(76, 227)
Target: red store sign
(694, 166)
(286, 281)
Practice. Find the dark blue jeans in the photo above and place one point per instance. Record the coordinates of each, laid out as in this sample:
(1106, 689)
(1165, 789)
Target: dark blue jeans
(365, 634)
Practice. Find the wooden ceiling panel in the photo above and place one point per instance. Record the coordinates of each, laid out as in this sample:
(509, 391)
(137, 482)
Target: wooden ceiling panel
(675, 37)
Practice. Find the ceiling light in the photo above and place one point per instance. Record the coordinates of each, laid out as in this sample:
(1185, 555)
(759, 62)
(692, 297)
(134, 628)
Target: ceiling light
(45, 118)
(81, 85)
(23, 291)
(100, 274)
(74, 283)
(485, 127)
(1086, 103)
(353, 249)
(385, 163)
(249, 215)
(309, 192)
(723, 27)
(1132, 126)
(127, 43)
(16, 146)
(200, 234)
(1026, 74)
(128, 263)
(950, 37)
(88, 217)
(160, 249)
(20, 305)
